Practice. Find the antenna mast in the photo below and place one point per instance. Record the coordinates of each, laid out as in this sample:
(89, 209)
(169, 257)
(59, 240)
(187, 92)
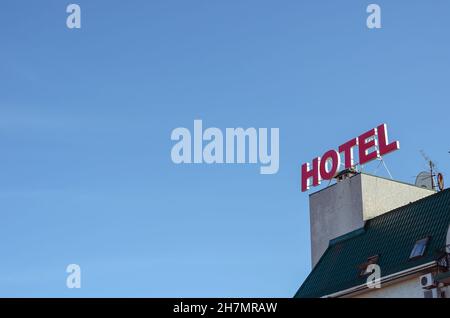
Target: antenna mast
(431, 164)
(432, 175)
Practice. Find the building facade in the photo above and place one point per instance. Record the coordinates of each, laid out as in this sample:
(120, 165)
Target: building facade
(375, 237)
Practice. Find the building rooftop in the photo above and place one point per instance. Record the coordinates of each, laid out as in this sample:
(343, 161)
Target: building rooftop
(391, 236)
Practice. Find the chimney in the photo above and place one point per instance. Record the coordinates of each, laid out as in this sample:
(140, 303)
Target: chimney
(356, 197)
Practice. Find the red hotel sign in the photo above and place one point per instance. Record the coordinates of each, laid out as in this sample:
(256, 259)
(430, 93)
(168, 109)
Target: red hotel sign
(371, 145)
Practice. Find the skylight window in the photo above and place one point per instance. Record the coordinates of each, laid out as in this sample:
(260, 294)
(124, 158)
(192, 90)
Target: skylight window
(419, 248)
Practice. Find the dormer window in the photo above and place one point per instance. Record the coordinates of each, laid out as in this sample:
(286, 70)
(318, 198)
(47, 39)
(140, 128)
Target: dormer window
(419, 248)
(364, 267)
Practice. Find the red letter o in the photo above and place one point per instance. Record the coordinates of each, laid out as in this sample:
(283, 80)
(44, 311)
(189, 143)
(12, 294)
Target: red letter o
(333, 156)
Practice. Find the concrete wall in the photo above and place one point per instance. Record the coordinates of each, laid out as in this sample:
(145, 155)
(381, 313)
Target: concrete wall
(334, 211)
(382, 195)
(345, 206)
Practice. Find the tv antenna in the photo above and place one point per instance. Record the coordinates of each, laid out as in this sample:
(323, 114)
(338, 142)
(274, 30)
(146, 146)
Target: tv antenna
(426, 179)
(431, 164)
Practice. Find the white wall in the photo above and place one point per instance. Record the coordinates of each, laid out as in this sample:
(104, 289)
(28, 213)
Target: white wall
(382, 195)
(405, 289)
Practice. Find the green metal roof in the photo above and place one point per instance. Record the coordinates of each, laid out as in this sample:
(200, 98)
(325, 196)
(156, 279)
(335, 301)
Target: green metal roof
(391, 236)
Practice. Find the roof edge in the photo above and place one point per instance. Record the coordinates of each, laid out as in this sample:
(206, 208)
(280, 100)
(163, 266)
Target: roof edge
(347, 236)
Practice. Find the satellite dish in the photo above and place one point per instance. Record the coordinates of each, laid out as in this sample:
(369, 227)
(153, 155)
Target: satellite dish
(424, 180)
(440, 179)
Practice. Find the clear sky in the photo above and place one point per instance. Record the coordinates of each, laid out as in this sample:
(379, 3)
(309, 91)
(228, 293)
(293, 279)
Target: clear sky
(86, 175)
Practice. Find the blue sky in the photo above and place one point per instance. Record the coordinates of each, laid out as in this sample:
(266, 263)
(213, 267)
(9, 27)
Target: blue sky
(86, 115)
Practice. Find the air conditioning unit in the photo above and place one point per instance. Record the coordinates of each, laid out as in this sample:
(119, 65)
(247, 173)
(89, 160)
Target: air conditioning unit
(427, 281)
(431, 293)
